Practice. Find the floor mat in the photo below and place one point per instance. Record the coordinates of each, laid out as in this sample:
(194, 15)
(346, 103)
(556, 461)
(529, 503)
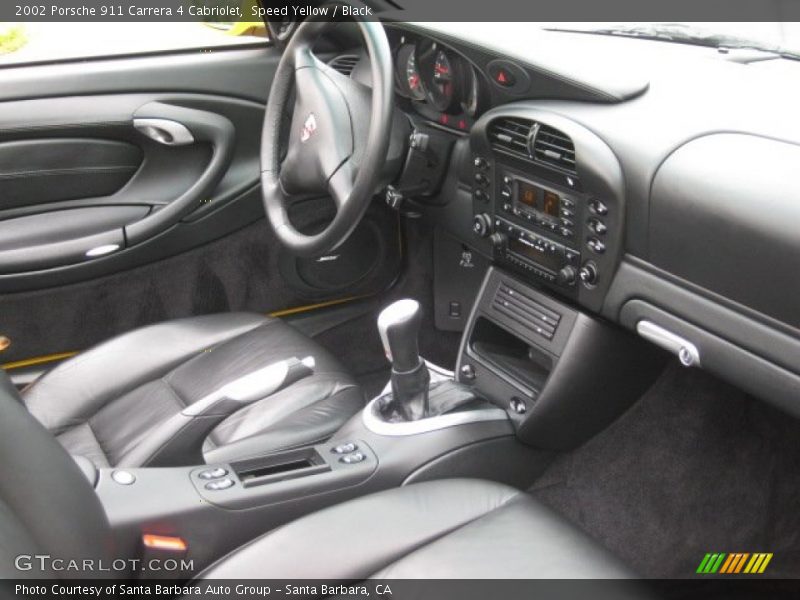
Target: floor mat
(695, 466)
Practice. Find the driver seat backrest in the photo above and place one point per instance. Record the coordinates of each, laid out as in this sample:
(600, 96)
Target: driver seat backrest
(47, 505)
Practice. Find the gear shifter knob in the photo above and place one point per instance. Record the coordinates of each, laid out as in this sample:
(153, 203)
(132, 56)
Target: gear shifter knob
(398, 325)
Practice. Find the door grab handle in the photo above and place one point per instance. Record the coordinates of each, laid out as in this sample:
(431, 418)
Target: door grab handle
(203, 127)
(685, 350)
(165, 131)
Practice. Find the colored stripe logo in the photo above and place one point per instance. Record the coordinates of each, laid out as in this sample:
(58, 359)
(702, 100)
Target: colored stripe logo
(734, 563)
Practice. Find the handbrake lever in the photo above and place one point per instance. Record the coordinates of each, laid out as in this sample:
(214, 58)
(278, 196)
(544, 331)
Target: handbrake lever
(179, 440)
(254, 386)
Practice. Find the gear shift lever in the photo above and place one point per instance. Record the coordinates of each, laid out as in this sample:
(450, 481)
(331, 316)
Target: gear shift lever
(399, 325)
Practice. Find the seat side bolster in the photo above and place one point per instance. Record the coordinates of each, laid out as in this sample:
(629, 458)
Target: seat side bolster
(77, 388)
(375, 530)
(523, 539)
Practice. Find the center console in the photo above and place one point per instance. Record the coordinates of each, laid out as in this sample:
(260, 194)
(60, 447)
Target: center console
(424, 425)
(548, 196)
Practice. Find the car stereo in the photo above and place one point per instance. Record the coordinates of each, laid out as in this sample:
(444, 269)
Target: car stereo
(536, 226)
(540, 207)
(536, 254)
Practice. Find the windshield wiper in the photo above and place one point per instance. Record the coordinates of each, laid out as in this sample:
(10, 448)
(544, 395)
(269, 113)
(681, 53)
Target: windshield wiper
(682, 34)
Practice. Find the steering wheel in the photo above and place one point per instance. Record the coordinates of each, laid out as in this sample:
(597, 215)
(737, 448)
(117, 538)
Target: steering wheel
(338, 141)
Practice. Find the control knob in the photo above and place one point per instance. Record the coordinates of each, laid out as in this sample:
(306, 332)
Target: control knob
(588, 273)
(482, 225)
(567, 275)
(498, 240)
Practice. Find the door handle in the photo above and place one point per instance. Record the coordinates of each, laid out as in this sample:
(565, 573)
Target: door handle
(175, 126)
(164, 131)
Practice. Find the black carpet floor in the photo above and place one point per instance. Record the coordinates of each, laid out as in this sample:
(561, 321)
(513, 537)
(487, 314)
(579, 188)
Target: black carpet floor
(695, 466)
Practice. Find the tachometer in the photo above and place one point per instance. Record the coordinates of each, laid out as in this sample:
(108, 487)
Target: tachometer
(413, 79)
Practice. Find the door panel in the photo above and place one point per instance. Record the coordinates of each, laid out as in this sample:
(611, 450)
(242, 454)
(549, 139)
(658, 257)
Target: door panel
(51, 170)
(108, 163)
(173, 177)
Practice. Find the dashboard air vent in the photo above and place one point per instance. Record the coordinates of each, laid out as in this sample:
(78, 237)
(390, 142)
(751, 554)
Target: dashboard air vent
(530, 140)
(344, 63)
(551, 147)
(510, 135)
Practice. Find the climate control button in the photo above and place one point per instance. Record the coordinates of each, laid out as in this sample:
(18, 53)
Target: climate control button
(597, 226)
(597, 207)
(596, 245)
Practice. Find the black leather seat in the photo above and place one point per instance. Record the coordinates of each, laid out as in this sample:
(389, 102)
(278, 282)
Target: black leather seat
(448, 529)
(105, 402)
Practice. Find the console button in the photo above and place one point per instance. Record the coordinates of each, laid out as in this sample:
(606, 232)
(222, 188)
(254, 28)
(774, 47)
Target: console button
(345, 448)
(573, 257)
(598, 207)
(467, 372)
(481, 179)
(518, 406)
(504, 77)
(481, 196)
(508, 76)
(596, 245)
(352, 459)
(480, 163)
(220, 484)
(597, 226)
(213, 473)
(123, 477)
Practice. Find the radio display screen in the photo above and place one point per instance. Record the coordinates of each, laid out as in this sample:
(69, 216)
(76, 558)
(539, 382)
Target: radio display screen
(538, 199)
(545, 259)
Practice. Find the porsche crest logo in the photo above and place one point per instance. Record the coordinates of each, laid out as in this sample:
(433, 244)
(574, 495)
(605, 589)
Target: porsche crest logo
(309, 128)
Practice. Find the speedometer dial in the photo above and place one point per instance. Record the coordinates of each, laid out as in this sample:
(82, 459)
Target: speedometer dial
(442, 76)
(442, 89)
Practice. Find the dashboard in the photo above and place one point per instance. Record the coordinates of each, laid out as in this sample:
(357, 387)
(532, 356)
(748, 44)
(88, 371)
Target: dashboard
(666, 197)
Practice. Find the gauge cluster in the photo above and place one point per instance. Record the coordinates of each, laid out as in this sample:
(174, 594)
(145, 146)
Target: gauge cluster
(438, 83)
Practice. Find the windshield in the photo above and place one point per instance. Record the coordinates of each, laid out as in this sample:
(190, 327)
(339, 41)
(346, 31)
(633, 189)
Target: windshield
(781, 38)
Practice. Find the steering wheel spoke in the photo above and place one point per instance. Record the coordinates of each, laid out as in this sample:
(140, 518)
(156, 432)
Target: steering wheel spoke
(340, 186)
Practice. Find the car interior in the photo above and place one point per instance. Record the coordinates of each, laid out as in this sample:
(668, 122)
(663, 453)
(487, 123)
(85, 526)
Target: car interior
(390, 300)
